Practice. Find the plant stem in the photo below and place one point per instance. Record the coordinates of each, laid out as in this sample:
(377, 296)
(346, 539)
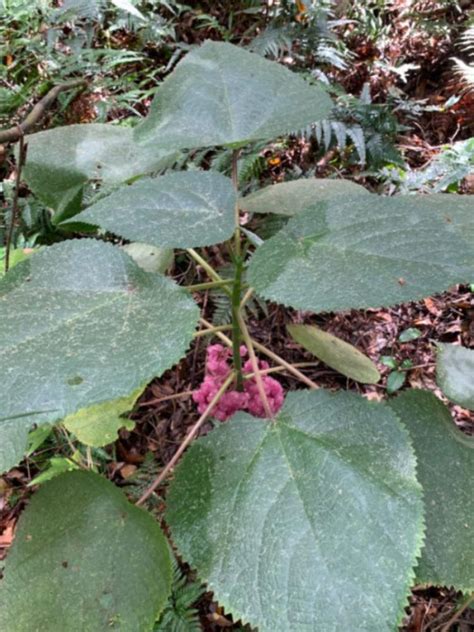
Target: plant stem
(276, 358)
(247, 297)
(237, 288)
(208, 268)
(189, 437)
(15, 204)
(214, 330)
(255, 367)
(207, 286)
(236, 327)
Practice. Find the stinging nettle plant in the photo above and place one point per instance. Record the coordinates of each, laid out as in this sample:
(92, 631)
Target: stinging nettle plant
(317, 518)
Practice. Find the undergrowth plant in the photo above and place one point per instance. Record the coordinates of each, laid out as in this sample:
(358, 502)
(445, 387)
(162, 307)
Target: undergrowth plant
(316, 516)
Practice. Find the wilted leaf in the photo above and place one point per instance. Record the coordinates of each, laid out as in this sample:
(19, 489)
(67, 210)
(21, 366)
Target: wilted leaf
(336, 353)
(98, 425)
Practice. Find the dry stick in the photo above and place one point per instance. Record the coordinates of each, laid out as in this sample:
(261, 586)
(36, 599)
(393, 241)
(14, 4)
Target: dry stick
(458, 613)
(166, 398)
(189, 437)
(276, 358)
(15, 207)
(39, 110)
(247, 296)
(255, 367)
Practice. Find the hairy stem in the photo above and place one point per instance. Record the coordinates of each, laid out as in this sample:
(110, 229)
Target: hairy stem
(189, 437)
(236, 326)
(237, 288)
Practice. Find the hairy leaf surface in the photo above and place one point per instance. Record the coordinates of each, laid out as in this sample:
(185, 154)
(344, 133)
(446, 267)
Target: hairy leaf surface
(365, 252)
(220, 94)
(61, 160)
(289, 198)
(84, 559)
(455, 373)
(311, 523)
(445, 467)
(13, 440)
(336, 353)
(83, 324)
(178, 210)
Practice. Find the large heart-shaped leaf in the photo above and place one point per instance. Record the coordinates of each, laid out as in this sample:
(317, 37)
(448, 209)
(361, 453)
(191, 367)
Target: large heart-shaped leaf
(336, 353)
(178, 210)
(312, 522)
(289, 198)
(84, 559)
(364, 252)
(220, 94)
(455, 373)
(445, 467)
(82, 324)
(61, 160)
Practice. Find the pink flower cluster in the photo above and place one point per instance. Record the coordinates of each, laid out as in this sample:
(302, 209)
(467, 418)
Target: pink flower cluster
(218, 369)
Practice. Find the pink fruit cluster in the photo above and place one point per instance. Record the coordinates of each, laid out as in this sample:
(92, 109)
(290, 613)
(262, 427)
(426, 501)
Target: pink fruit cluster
(218, 369)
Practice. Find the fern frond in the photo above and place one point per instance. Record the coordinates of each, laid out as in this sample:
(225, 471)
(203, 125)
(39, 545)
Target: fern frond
(273, 41)
(179, 614)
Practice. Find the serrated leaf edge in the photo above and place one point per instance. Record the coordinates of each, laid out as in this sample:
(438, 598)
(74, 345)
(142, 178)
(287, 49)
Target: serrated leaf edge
(419, 542)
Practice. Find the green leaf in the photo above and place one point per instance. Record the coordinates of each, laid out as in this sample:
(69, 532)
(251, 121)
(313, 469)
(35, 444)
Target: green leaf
(126, 5)
(312, 522)
(37, 437)
(178, 210)
(289, 198)
(339, 355)
(61, 160)
(407, 335)
(84, 559)
(150, 258)
(83, 324)
(57, 465)
(455, 373)
(445, 458)
(395, 381)
(98, 425)
(364, 252)
(220, 94)
(389, 361)
(13, 441)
